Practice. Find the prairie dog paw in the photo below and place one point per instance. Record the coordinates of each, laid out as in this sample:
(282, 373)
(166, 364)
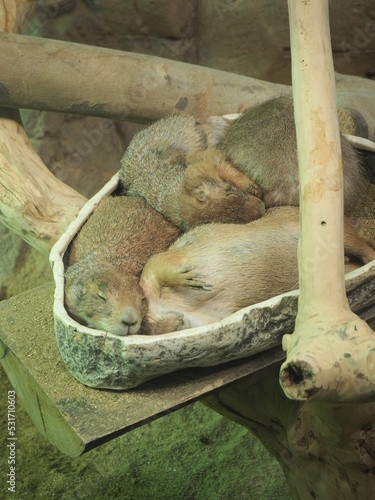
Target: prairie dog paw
(249, 187)
(188, 277)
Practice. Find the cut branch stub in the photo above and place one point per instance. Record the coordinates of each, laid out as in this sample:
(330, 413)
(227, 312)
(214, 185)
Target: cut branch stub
(329, 355)
(330, 365)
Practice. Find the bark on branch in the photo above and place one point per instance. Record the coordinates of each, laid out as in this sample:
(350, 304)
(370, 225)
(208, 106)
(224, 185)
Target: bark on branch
(125, 86)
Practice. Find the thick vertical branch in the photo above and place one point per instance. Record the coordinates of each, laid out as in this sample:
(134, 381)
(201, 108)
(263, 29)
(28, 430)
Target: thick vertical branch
(328, 353)
(321, 249)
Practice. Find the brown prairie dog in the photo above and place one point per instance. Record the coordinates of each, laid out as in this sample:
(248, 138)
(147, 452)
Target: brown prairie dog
(214, 270)
(106, 260)
(262, 144)
(165, 165)
(215, 191)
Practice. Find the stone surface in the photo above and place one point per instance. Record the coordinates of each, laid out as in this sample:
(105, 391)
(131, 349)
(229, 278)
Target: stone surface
(162, 19)
(256, 37)
(82, 151)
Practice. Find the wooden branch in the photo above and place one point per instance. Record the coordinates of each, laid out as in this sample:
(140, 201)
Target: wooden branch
(33, 202)
(325, 451)
(103, 82)
(327, 355)
(125, 86)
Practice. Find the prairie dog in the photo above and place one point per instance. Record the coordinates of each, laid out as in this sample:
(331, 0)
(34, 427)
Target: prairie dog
(215, 191)
(106, 260)
(164, 164)
(214, 270)
(262, 144)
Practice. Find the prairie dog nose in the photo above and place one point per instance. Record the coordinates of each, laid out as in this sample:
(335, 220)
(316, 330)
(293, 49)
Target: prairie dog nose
(129, 316)
(128, 322)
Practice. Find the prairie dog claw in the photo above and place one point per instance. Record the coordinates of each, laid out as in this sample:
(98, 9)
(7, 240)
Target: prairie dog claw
(186, 276)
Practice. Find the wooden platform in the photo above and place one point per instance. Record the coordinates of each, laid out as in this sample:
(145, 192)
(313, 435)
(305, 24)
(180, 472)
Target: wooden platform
(76, 418)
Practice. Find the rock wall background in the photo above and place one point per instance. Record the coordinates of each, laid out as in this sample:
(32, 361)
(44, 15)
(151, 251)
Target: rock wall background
(250, 38)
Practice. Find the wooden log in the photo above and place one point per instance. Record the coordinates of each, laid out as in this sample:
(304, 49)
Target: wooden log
(330, 354)
(33, 202)
(137, 87)
(104, 82)
(325, 450)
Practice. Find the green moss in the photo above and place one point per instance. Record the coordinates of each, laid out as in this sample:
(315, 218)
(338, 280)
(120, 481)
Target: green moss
(193, 453)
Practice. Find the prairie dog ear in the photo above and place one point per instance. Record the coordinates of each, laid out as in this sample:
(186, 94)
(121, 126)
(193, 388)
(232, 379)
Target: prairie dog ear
(198, 174)
(216, 127)
(91, 286)
(203, 166)
(192, 178)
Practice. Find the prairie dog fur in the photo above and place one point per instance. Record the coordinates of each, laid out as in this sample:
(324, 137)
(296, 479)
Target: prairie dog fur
(214, 270)
(164, 164)
(262, 144)
(106, 260)
(215, 191)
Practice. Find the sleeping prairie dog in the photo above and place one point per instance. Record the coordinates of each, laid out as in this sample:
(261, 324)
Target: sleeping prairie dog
(262, 144)
(106, 259)
(215, 191)
(174, 166)
(214, 270)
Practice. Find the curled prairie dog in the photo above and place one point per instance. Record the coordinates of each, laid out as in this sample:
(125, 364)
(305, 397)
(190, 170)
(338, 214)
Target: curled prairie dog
(106, 260)
(174, 166)
(215, 191)
(214, 270)
(262, 144)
